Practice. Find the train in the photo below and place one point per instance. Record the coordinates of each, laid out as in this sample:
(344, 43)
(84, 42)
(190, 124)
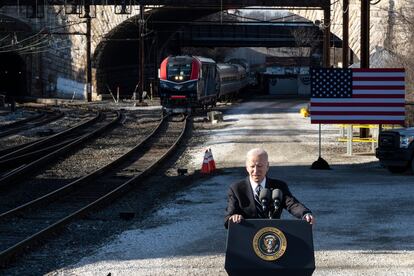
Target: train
(189, 82)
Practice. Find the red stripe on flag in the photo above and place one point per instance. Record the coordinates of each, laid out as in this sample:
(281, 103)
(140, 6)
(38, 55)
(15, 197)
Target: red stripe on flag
(379, 87)
(369, 70)
(360, 104)
(376, 96)
(391, 122)
(394, 113)
(378, 78)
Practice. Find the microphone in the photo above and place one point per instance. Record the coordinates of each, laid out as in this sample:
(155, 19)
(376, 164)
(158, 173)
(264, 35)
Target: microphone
(277, 196)
(265, 197)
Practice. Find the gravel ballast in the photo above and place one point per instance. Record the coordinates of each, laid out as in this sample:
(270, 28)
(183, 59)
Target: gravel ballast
(363, 213)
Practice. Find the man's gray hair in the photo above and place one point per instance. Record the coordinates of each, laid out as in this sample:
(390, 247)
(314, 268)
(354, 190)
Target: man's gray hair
(256, 152)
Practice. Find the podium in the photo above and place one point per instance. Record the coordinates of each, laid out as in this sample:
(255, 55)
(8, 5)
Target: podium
(270, 247)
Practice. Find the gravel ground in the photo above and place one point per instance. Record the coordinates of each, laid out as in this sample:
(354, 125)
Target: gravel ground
(363, 213)
(72, 117)
(91, 156)
(20, 114)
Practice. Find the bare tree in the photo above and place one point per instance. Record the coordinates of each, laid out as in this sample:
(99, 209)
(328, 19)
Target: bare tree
(306, 40)
(400, 43)
(400, 40)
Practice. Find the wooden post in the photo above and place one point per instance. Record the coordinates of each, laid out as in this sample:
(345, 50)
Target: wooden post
(345, 34)
(88, 54)
(141, 51)
(326, 36)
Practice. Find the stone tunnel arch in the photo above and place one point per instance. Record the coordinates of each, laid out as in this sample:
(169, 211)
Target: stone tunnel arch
(15, 67)
(123, 40)
(116, 56)
(115, 60)
(12, 75)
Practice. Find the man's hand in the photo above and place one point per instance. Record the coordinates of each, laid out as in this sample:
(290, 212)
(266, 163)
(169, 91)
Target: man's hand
(309, 218)
(236, 218)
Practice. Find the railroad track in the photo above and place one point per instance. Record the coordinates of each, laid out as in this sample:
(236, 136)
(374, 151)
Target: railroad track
(31, 223)
(32, 146)
(17, 123)
(92, 156)
(71, 120)
(40, 119)
(18, 164)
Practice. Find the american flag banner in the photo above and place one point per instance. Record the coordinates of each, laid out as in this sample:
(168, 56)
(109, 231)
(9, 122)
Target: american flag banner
(357, 96)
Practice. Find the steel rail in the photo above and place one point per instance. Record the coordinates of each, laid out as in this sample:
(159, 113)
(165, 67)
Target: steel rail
(30, 146)
(23, 121)
(73, 185)
(23, 171)
(32, 124)
(13, 162)
(21, 246)
(15, 148)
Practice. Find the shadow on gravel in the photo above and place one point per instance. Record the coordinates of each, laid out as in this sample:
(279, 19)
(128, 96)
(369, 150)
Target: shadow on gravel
(357, 207)
(85, 236)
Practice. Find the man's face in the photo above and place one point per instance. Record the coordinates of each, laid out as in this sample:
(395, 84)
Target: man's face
(257, 167)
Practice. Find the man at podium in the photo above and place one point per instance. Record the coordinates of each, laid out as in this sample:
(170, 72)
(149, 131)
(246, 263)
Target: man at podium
(258, 196)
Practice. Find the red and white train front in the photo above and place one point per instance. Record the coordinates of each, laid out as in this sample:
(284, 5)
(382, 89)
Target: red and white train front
(186, 82)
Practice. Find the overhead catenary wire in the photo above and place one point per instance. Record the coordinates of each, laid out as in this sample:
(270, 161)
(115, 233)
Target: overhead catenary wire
(35, 39)
(25, 47)
(48, 49)
(5, 37)
(25, 39)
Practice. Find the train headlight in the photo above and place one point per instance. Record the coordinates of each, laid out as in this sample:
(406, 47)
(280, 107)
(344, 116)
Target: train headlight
(180, 77)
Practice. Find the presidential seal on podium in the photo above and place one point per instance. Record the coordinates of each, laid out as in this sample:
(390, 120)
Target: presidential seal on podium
(269, 243)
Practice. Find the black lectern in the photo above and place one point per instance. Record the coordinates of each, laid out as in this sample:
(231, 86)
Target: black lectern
(270, 247)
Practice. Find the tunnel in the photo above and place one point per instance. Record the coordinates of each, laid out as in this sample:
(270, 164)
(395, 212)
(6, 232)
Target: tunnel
(12, 76)
(116, 58)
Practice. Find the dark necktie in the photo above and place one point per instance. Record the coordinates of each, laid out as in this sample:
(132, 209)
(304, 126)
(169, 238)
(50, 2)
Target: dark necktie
(259, 207)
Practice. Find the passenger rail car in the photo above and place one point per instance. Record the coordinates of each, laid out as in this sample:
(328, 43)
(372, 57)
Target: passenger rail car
(232, 79)
(188, 82)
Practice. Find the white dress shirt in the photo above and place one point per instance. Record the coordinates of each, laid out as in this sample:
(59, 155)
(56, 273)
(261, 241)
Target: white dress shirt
(255, 184)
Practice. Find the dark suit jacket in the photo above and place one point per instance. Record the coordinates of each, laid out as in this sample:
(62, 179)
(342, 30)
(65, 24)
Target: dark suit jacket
(240, 200)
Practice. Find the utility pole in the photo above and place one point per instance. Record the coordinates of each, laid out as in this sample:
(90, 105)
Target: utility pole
(88, 53)
(345, 61)
(365, 9)
(141, 23)
(326, 36)
(345, 34)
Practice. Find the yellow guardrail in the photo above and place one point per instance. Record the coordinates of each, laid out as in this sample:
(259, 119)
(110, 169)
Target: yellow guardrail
(357, 126)
(365, 126)
(359, 139)
(362, 140)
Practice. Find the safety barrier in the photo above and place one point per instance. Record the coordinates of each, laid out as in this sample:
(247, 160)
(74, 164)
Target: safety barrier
(350, 128)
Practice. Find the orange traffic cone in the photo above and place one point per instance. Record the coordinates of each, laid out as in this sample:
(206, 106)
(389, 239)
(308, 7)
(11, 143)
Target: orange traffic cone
(205, 168)
(211, 162)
